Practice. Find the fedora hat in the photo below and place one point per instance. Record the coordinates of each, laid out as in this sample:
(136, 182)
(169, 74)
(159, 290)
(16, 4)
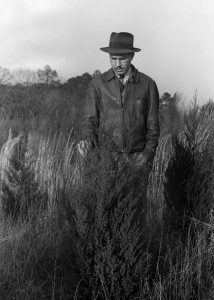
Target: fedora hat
(121, 42)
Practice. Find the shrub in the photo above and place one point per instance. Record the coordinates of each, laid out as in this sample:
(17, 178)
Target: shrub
(113, 249)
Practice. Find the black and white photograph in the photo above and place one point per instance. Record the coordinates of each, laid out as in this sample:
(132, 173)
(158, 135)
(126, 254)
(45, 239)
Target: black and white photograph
(106, 150)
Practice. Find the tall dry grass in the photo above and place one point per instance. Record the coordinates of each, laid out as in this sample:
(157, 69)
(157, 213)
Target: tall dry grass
(71, 229)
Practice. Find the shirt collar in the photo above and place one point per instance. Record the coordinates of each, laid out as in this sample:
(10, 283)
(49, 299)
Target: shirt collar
(126, 77)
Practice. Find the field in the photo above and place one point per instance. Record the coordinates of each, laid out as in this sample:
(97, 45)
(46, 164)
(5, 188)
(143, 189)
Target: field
(70, 228)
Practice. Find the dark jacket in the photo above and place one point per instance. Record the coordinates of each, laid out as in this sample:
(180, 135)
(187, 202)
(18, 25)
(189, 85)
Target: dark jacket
(132, 117)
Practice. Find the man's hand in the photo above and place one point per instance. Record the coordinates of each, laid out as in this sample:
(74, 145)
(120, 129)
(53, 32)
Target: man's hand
(83, 148)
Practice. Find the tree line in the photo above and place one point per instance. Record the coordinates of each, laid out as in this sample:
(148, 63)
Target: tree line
(46, 75)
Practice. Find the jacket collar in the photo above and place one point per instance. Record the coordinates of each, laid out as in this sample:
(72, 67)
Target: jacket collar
(134, 75)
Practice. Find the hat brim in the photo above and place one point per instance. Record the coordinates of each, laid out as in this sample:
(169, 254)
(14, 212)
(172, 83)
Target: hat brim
(117, 51)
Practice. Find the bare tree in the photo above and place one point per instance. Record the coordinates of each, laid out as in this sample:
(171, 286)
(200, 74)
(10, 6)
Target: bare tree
(24, 77)
(5, 76)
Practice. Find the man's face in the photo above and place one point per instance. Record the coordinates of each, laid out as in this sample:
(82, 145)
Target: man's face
(121, 62)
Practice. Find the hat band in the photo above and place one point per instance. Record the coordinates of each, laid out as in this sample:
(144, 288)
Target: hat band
(120, 46)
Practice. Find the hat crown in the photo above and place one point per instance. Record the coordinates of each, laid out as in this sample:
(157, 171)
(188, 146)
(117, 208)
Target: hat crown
(121, 39)
(121, 42)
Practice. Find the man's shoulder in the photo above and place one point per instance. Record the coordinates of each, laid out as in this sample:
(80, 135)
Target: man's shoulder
(143, 77)
(99, 78)
(98, 75)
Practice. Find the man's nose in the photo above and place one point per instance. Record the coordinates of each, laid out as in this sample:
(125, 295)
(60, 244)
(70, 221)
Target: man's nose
(118, 62)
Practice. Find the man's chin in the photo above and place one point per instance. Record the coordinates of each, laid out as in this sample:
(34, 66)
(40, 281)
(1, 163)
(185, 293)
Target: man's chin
(119, 72)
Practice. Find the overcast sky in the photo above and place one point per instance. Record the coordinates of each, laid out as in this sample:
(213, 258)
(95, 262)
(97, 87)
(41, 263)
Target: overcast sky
(176, 38)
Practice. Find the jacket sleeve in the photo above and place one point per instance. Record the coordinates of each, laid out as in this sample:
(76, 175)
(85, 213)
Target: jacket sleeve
(153, 129)
(90, 118)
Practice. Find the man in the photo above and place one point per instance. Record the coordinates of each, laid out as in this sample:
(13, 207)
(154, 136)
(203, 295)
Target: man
(125, 102)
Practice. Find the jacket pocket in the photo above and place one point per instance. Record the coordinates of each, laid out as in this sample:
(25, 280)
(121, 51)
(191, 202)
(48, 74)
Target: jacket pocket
(140, 106)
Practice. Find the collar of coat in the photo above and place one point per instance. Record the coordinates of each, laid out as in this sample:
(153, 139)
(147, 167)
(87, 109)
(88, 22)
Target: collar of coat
(133, 78)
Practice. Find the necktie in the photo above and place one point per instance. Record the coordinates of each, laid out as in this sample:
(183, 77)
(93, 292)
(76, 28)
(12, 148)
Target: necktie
(122, 85)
